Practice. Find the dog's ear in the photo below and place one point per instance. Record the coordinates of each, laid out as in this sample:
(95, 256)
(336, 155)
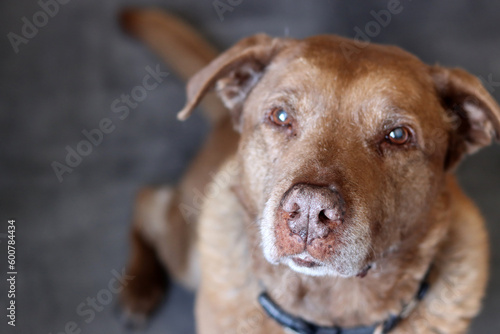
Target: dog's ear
(234, 73)
(475, 114)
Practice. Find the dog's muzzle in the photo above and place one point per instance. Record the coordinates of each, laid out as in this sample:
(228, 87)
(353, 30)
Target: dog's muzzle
(308, 220)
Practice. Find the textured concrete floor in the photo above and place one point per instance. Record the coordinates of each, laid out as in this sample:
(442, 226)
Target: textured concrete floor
(72, 235)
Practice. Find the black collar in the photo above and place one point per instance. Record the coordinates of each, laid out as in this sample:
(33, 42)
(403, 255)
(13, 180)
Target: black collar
(301, 326)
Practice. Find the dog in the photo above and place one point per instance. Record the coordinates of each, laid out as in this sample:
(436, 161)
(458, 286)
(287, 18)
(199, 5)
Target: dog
(324, 200)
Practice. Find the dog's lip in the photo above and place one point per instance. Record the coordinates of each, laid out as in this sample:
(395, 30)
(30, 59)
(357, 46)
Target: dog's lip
(306, 261)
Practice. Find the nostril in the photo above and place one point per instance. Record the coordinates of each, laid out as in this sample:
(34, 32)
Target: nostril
(329, 214)
(291, 215)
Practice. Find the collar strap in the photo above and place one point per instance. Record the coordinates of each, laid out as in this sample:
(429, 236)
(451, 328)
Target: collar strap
(301, 326)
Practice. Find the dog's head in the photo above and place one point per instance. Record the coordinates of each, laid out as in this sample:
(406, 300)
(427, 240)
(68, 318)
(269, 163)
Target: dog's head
(343, 158)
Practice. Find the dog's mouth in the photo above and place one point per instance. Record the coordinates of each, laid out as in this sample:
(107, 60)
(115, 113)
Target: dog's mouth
(307, 262)
(303, 261)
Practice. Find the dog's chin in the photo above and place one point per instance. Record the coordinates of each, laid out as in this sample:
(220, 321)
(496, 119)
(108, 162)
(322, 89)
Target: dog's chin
(305, 264)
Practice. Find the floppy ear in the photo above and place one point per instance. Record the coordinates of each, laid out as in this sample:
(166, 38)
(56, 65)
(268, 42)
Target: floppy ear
(475, 114)
(234, 73)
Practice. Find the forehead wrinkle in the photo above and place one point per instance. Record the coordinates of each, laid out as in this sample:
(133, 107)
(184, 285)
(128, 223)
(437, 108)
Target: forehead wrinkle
(322, 91)
(341, 90)
(313, 91)
(370, 96)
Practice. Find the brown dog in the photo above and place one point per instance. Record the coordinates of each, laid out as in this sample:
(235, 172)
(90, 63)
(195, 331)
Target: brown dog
(335, 196)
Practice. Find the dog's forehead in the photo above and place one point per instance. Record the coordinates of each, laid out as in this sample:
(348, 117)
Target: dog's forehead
(318, 71)
(352, 58)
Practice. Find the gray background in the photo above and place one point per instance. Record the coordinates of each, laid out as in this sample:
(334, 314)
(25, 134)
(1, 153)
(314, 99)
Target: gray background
(71, 235)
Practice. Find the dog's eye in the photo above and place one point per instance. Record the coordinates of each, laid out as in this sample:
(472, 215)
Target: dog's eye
(399, 136)
(280, 116)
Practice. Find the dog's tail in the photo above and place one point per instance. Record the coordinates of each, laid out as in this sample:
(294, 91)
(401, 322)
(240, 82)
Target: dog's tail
(178, 44)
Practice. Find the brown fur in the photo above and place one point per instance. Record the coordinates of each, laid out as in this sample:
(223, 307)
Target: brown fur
(405, 212)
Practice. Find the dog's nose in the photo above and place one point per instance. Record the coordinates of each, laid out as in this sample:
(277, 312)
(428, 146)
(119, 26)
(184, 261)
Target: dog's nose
(312, 212)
